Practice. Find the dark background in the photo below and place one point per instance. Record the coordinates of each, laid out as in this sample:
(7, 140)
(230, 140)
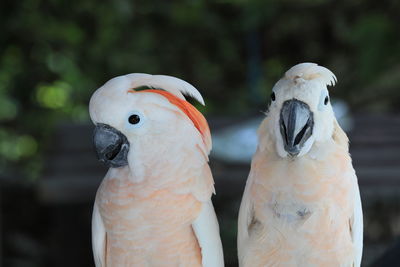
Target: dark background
(55, 53)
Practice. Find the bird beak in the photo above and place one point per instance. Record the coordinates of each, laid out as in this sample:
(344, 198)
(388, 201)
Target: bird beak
(111, 146)
(296, 125)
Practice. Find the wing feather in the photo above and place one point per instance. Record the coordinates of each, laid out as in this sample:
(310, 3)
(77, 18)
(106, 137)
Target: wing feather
(357, 226)
(98, 238)
(245, 218)
(206, 230)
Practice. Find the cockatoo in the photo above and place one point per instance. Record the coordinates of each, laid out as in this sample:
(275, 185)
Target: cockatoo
(301, 205)
(153, 208)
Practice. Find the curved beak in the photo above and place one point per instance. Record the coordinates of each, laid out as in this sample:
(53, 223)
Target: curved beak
(296, 125)
(111, 146)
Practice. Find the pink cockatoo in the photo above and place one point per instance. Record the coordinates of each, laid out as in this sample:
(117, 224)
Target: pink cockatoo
(301, 205)
(153, 207)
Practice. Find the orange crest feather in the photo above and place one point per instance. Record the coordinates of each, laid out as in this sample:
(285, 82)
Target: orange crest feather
(193, 114)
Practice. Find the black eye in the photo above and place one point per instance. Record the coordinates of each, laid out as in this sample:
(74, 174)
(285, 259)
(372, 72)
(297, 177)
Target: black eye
(326, 100)
(273, 96)
(134, 119)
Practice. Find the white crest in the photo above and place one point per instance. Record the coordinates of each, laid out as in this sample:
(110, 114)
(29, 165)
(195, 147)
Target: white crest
(310, 71)
(171, 84)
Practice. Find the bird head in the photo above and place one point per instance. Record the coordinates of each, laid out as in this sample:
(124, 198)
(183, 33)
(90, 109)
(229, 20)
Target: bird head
(300, 109)
(143, 119)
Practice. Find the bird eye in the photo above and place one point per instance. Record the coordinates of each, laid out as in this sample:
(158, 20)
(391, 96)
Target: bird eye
(273, 96)
(326, 100)
(134, 119)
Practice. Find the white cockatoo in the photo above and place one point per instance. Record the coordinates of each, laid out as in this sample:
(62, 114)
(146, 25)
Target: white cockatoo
(153, 207)
(301, 205)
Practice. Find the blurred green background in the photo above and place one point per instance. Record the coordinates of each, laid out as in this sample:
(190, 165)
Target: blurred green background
(55, 53)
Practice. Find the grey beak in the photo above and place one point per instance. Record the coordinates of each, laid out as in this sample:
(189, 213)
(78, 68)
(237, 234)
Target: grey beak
(111, 146)
(296, 125)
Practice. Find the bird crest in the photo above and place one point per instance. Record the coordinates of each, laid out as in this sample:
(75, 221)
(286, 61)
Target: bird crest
(174, 89)
(311, 71)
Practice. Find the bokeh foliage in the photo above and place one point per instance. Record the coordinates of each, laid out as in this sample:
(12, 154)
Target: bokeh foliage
(54, 53)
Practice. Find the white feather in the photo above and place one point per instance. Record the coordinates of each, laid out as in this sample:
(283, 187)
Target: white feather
(310, 71)
(245, 217)
(171, 84)
(357, 226)
(98, 238)
(206, 230)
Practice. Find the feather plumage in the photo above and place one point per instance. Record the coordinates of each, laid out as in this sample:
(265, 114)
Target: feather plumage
(99, 238)
(293, 209)
(304, 209)
(191, 112)
(171, 84)
(310, 71)
(155, 211)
